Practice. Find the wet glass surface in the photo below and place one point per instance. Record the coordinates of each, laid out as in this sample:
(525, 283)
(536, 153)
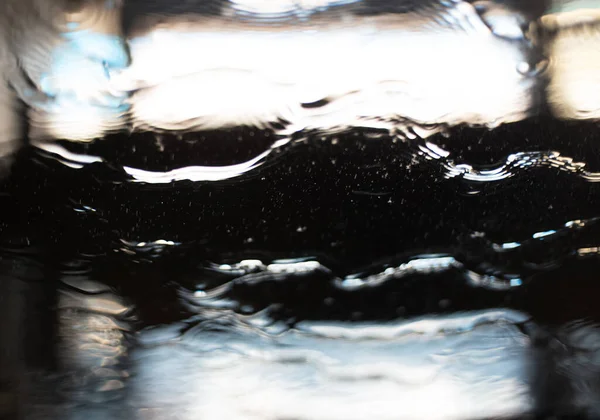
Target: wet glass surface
(410, 251)
(357, 268)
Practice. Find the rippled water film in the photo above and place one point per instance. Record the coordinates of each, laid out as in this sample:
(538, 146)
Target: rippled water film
(299, 209)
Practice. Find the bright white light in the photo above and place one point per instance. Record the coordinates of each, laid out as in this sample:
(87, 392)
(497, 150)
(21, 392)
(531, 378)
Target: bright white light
(539, 235)
(372, 71)
(196, 173)
(244, 374)
(574, 88)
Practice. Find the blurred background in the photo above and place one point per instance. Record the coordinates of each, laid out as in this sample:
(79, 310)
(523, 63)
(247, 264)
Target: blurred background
(244, 209)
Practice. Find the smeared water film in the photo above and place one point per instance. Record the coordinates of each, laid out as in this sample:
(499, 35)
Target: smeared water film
(293, 209)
